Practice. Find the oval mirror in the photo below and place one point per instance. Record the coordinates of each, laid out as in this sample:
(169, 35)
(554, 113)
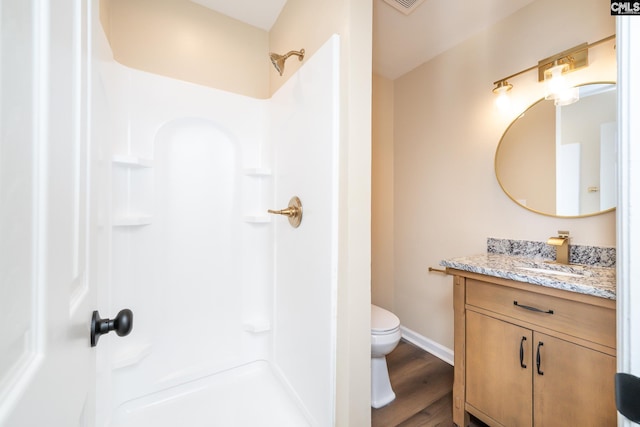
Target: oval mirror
(560, 161)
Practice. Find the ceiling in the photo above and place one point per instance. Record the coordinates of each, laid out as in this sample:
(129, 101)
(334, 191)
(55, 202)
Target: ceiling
(400, 42)
(259, 13)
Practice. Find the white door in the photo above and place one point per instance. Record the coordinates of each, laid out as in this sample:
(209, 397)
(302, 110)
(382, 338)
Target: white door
(47, 216)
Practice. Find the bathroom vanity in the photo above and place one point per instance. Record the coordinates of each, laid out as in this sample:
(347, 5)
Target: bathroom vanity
(535, 342)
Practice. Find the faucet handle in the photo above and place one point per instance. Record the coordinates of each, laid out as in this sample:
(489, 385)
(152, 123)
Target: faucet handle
(563, 234)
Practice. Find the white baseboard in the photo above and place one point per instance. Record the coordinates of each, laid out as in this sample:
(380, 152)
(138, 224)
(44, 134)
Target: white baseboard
(430, 346)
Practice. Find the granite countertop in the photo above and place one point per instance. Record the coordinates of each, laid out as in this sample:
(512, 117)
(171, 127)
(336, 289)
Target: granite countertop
(585, 279)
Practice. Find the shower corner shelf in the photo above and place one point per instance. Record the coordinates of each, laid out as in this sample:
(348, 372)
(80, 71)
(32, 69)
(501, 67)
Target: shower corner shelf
(257, 326)
(258, 172)
(132, 161)
(132, 220)
(257, 219)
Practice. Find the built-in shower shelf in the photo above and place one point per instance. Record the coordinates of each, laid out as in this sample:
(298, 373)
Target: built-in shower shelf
(257, 219)
(257, 326)
(131, 355)
(133, 220)
(132, 161)
(257, 172)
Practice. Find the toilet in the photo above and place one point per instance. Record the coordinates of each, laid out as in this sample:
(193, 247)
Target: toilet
(385, 336)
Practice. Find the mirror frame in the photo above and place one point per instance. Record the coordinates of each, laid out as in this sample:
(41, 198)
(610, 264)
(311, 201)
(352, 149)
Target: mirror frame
(495, 163)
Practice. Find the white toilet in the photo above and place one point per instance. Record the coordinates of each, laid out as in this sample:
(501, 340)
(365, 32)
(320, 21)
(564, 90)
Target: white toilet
(385, 336)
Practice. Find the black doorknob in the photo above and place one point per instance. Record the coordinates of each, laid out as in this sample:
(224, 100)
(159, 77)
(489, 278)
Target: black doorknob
(122, 324)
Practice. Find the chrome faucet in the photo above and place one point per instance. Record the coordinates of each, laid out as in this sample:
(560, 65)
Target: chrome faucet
(561, 242)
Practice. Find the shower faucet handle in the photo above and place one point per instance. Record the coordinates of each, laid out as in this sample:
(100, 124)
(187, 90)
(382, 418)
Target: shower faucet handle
(293, 211)
(286, 212)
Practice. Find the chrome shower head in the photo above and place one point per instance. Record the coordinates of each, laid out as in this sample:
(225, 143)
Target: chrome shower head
(278, 60)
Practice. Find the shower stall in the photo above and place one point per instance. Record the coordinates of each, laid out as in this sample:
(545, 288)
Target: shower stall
(234, 309)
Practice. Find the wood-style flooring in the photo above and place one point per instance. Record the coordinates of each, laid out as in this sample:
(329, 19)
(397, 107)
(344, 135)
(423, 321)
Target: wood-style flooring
(423, 385)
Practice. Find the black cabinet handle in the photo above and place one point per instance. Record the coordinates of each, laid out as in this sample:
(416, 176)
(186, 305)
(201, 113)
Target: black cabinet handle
(528, 307)
(540, 344)
(122, 324)
(522, 365)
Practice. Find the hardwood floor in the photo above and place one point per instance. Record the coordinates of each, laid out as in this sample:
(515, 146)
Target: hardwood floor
(423, 386)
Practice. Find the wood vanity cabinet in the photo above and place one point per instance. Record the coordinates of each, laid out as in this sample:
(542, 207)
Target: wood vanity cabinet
(528, 355)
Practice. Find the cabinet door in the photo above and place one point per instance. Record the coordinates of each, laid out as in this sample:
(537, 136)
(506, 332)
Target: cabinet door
(573, 386)
(498, 381)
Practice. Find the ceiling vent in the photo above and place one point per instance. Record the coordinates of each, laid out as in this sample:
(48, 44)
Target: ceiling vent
(405, 6)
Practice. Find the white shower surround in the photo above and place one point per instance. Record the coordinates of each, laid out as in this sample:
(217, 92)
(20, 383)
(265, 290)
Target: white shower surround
(227, 301)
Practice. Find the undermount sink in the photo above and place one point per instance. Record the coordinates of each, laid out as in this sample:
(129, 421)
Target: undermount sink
(552, 272)
(552, 268)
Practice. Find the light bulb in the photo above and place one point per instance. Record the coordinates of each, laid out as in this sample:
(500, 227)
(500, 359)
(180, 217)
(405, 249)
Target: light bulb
(503, 101)
(502, 91)
(567, 96)
(554, 81)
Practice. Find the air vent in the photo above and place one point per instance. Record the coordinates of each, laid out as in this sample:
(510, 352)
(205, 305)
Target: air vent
(405, 6)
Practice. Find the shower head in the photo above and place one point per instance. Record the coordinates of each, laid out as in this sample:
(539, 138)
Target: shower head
(278, 60)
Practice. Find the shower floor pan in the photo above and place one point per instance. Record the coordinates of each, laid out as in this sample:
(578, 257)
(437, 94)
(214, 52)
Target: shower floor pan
(245, 396)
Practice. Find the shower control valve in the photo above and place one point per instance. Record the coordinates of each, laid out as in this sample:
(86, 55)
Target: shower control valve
(293, 211)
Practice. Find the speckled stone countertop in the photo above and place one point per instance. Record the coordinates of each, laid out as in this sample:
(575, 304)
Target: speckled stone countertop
(585, 279)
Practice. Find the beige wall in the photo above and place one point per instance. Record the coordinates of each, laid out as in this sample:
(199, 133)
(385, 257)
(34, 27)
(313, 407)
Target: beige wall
(305, 24)
(183, 40)
(382, 207)
(446, 129)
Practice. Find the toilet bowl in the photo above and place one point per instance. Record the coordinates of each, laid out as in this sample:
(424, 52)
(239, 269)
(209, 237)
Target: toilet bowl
(385, 336)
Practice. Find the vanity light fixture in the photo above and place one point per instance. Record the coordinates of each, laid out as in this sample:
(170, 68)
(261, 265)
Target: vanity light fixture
(552, 70)
(556, 88)
(502, 90)
(502, 86)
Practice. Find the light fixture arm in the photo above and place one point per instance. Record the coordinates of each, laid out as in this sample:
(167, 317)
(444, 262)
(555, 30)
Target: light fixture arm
(568, 56)
(516, 74)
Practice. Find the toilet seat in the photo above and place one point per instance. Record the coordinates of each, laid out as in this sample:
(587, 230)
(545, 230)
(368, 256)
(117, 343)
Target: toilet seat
(383, 322)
